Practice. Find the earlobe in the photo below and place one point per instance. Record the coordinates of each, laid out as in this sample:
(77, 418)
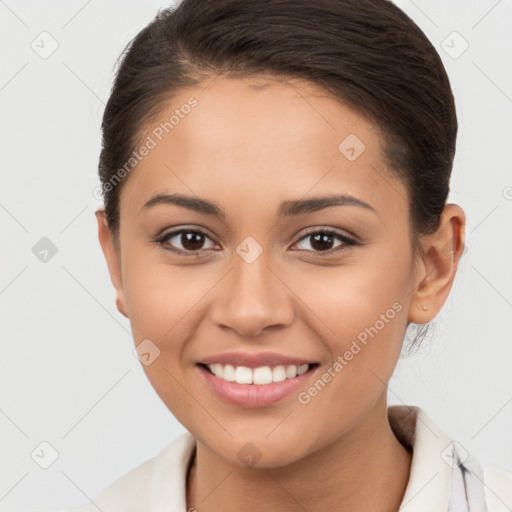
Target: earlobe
(441, 255)
(112, 257)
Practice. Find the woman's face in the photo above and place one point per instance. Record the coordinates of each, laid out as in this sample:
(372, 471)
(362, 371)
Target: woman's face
(266, 277)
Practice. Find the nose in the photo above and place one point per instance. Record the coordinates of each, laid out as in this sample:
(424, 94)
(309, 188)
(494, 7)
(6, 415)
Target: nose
(253, 297)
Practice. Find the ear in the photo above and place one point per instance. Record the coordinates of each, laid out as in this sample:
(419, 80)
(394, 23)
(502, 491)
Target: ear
(113, 258)
(438, 265)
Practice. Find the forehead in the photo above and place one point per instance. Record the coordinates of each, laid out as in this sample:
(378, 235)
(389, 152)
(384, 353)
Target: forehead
(260, 140)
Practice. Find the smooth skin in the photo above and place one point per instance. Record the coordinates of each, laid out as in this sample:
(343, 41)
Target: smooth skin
(247, 146)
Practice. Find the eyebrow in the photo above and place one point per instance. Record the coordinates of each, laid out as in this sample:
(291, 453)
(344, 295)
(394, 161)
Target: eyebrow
(286, 209)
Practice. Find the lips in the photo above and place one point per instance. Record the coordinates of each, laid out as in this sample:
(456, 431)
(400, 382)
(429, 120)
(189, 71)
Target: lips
(255, 360)
(254, 394)
(255, 380)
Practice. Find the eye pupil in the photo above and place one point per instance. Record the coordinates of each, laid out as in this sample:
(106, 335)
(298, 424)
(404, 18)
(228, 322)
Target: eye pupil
(188, 238)
(324, 241)
(192, 241)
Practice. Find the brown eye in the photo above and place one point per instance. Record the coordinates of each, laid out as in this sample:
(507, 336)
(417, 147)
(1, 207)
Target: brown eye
(191, 240)
(323, 240)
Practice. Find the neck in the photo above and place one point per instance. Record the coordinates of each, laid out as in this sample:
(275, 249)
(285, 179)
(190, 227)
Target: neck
(367, 468)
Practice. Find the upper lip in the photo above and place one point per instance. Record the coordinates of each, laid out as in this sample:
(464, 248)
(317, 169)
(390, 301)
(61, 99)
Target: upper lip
(254, 360)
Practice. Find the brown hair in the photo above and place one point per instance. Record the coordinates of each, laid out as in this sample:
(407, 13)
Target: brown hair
(367, 53)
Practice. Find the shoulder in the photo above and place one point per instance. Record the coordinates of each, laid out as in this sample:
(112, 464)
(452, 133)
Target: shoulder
(158, 480)
(498, 488)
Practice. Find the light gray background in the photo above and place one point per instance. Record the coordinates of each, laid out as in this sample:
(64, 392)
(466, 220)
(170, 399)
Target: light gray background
(68, 375)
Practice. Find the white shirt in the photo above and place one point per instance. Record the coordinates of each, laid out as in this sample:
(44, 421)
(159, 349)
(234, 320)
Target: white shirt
(159, 484)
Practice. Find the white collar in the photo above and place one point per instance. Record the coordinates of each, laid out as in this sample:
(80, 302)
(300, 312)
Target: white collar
(431, 471)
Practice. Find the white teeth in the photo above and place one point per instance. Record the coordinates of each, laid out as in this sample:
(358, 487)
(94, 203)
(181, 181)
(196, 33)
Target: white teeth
(218, 370)
(243, 375)
(228, 373)
(291, 372)
(262, 375)
(278, 374)
(302, 369)
(258, 376)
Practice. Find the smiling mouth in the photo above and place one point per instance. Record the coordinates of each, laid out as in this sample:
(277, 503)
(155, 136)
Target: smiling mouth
(257, 376)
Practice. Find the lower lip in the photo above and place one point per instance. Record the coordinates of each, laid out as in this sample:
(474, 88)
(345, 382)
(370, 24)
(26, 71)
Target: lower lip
(254, 395)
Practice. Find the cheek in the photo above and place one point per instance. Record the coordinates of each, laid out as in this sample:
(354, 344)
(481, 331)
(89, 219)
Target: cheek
(353, 296)
(361, 312)
(165, 308)
(160, 296)
(367, 337)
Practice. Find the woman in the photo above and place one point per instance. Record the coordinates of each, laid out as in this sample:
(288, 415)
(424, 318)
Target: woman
(275, 176)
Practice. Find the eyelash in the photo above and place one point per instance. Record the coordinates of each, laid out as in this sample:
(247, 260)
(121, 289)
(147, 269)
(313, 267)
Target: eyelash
(348, 241)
